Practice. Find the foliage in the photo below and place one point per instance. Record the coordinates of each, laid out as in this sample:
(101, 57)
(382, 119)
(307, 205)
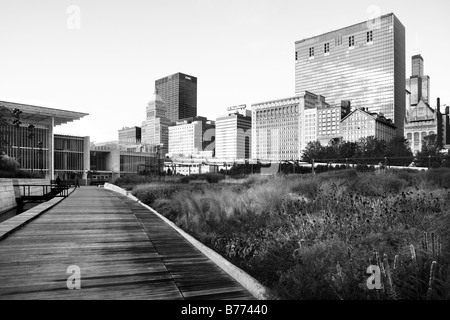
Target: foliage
(314, 150)
(370, 149)
(313, 236)
(399, 147)
(131, 180)
(10, 168)
(209, 177)
(431, 149)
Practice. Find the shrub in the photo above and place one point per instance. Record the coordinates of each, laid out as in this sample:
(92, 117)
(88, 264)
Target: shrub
(347, 174)
(307, 186)
(10, 168)
(439, 177)
(369, 184)
(148, 193)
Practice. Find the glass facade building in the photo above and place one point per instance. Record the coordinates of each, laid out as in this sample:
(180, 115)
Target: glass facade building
(33, 144)
(363, 63)
(130, 136)
(179, 93)
(71, 155)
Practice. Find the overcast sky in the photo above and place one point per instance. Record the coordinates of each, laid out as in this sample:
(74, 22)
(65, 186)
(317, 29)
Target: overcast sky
(103, 57)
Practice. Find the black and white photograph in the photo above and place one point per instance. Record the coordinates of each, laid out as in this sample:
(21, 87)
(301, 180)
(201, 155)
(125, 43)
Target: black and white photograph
(224, 159)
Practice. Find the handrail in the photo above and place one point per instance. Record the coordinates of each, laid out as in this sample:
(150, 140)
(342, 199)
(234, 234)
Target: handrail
(48, 191)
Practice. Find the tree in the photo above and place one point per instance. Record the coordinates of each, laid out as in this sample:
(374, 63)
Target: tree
(371, 147)
(313, 150)
(340, 149)
(430, 154)
(399, 147)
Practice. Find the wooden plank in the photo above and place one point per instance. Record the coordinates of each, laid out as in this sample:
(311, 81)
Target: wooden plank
(123, 250)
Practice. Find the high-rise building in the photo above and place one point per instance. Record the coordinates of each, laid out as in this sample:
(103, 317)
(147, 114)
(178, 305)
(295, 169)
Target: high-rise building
(363, 63)
(187, 138)
(418, 85)
(282, 128)
(233, 134)
(179, 93)
(130, 136)
(155, 129)
(421, 119)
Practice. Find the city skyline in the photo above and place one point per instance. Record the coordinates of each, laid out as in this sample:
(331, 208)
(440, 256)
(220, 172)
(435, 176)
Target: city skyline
(241, 52)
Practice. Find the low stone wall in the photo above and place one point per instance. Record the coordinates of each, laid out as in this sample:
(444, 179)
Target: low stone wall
(10, 190)
(115, 188)
(7, 195)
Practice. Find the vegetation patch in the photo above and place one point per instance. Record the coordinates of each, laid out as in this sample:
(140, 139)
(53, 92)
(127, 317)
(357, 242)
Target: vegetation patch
(313, 236)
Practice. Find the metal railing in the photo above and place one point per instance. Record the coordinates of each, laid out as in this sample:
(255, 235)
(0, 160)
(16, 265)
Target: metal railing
(30, 191)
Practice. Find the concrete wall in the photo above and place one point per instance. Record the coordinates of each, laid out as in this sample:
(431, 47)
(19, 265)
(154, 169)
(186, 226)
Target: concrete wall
(10, 190)
(7, 195)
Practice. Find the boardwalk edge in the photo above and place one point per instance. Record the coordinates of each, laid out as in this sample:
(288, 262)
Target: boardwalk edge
(12, 224)
(258, 290)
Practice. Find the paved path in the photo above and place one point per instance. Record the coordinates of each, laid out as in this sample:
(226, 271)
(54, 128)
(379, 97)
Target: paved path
(123, 250)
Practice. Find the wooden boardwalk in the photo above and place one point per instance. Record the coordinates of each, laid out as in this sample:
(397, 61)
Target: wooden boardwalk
(123, 250)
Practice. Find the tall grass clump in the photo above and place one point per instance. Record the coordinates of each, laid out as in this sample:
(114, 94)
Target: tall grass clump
(439, 177)
(313, 236)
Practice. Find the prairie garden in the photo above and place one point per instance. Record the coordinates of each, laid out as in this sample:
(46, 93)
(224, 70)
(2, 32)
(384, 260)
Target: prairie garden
(313, 236)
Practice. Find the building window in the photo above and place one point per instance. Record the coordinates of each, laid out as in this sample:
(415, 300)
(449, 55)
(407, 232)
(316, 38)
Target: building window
(351, 41)
(296, 55)
(338, 40)
(369, 36)
(311, 52)
(326, 47)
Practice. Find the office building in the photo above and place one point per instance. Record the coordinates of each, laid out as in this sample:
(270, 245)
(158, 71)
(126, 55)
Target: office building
(29, 139)
(155, 129)
(329, 120)
(187, 138)
(418, 84)
(130, 136)
(282, 128)
(363, 63)
(360, 123)
(179, 93)
(233, 134)
(309, 124)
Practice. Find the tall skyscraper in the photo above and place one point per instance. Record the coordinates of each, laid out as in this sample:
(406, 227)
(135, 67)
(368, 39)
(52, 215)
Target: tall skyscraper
(421, 118)
(363, 63)
(155, 129)
(179, 93)
(418, 84)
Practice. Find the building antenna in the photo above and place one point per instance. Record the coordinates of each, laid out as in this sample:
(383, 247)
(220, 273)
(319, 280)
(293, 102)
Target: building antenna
(418, 43)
